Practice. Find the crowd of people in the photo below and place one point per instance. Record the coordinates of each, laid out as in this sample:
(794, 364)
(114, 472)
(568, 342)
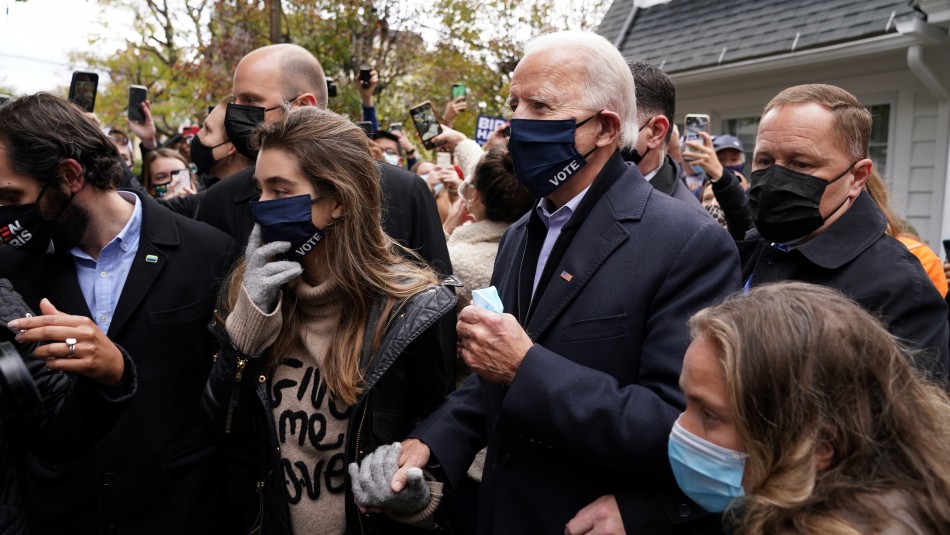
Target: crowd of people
(281, 324)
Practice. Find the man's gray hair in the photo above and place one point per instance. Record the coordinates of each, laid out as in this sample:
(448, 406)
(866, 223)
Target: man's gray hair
(608, 83)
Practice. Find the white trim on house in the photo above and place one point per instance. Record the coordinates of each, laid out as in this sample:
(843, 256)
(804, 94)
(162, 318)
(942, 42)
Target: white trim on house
(802, 58)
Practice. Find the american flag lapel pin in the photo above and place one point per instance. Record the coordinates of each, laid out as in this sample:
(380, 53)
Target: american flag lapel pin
(566, 276)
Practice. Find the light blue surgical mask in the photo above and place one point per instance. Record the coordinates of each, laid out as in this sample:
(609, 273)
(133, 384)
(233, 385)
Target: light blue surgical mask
(709, 474)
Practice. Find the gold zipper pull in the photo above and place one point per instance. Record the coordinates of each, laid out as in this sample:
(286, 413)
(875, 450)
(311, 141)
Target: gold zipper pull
(235, 393)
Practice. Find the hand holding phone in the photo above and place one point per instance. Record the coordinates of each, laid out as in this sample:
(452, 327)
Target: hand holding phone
(458, 91)
(365, 69)
(137, 95)
(694, 124)
(427, 123)
(181, 182)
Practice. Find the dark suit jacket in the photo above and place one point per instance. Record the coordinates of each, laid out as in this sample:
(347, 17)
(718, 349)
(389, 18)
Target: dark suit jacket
(667, 180)
(591, 407)
(155, 472)
(854, 256)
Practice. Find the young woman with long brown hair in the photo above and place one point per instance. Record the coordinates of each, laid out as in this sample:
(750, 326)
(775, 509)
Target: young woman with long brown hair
(804, 415)
(330, 344)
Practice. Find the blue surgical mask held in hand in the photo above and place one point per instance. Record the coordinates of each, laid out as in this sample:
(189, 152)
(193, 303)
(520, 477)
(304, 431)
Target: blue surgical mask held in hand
(288, 219)
(709, 474)
(544, 154)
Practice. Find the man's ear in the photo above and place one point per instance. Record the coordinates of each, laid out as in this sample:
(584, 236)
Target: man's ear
(610, 128)
(306, 99)
(861, 170)
(658, 130)
(71, 171)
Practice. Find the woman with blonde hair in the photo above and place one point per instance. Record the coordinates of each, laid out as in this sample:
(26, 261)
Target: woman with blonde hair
(804, 415)
(330, 344)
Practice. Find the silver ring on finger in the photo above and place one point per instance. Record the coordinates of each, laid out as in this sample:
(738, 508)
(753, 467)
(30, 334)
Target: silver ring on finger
(71, 343)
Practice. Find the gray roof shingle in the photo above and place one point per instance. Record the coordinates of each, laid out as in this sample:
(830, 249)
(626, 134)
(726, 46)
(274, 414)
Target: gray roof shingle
(689, 34)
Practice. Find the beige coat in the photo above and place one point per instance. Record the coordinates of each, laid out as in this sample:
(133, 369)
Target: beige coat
(472, 249)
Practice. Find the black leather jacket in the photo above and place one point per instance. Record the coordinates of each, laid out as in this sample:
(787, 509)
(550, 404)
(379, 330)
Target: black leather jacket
(74, 413)
(405, 382)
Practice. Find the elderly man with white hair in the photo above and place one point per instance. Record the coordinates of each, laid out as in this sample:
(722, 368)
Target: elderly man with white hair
(575, 387)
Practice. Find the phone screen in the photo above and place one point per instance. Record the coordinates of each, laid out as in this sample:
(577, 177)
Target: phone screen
(82, 90)
(426, 123)
(694, 125)
(443, 159)
(458, 90)
(395, 127)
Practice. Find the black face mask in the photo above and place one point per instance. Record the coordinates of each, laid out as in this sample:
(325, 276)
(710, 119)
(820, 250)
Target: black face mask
(25, 228)
(633, 155)
(240, 122)
(202, 155)
(784, 203)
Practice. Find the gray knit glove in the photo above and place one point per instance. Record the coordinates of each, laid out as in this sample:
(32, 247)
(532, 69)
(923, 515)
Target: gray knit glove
(263, 278)
(371, 482)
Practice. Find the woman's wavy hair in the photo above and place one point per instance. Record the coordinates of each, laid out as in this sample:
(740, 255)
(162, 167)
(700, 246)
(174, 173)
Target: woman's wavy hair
(810, 371)
(364, 263)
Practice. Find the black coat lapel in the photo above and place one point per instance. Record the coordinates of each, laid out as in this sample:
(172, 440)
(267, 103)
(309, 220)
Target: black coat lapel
(158, 228)
(65, 293)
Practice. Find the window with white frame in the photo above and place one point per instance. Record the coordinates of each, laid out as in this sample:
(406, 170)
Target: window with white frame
(745, 129)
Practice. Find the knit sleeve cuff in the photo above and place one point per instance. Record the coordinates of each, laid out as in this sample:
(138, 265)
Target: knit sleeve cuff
(251, 329)
(426, 517)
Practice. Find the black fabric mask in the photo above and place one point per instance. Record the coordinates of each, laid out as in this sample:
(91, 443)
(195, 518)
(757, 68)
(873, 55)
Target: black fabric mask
(25, 228)
(240, 122)
(784, 203)
(202, 155)
(633, 155)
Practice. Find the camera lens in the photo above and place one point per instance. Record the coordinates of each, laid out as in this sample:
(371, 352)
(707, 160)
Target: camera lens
(19, 398)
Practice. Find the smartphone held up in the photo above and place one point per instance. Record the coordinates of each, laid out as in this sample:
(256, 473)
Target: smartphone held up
(694, 124)
(137, 95)
(427, 123)
(365, 75)
(83, 88)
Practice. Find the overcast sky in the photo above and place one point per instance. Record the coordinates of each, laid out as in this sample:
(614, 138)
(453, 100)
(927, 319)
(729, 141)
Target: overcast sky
(37, 36)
